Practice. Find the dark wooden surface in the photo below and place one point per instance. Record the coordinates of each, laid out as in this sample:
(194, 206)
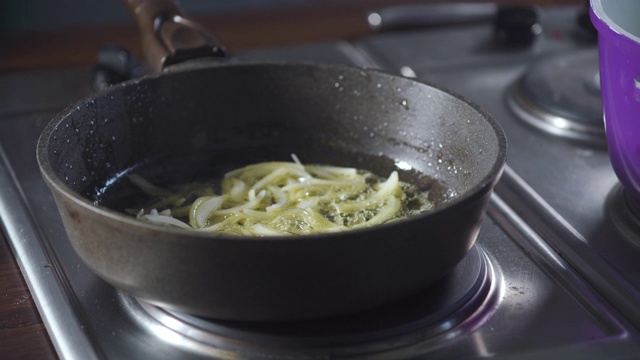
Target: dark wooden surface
(22, 333)
(334, 19)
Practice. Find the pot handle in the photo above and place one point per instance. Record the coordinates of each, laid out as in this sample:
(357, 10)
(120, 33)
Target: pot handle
(168, 36)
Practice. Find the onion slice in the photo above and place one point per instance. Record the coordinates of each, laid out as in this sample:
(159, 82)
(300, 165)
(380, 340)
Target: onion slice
(280, 198)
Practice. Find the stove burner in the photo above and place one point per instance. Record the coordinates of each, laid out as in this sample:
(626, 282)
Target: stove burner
(561, 95)
(465, 296)
(624, 213)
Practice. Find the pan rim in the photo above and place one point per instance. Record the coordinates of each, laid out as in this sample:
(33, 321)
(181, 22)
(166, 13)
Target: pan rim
(480, 189)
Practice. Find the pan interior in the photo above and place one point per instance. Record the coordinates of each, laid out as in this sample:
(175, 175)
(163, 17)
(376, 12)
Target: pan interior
(196, 124)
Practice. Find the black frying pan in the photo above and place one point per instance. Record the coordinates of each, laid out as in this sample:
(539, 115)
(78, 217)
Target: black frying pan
(197, 119)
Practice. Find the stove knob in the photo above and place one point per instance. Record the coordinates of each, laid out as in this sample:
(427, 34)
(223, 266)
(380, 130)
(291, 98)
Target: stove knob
(516, 25)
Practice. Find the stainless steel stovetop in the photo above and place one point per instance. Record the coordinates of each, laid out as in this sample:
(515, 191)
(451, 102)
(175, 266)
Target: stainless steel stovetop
(558, 262)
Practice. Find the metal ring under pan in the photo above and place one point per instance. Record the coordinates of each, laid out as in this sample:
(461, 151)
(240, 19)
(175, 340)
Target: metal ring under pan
(466, 296)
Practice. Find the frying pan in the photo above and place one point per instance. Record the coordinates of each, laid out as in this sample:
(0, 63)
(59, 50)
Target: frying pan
(198, 118)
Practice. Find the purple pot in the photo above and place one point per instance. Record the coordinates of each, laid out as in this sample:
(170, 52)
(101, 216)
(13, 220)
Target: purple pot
(619, 47)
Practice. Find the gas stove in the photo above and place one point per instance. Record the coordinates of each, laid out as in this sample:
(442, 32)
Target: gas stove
(555, 272)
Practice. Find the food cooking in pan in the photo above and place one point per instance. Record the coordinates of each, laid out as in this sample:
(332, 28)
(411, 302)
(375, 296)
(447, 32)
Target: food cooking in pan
(283, 198)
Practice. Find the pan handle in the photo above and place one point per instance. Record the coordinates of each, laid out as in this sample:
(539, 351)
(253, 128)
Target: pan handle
(168, 36)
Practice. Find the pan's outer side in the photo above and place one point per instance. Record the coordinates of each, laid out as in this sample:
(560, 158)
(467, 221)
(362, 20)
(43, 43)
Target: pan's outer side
(325, 114)
(271, 280)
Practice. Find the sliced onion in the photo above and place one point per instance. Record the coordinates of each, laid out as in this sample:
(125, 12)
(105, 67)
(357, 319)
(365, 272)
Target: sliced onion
(238, 190)
(386, 213)
(280, 196)
(389, 187)
(202, 209)
(277, 198)
(165, 220)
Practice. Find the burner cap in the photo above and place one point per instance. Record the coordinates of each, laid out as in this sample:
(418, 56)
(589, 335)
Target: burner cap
(561, 95)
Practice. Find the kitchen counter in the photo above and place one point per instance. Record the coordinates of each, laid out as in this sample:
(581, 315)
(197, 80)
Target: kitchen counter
(22, 332)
